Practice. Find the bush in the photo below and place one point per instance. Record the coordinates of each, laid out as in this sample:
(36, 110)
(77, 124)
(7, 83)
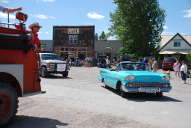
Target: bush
(188, 57)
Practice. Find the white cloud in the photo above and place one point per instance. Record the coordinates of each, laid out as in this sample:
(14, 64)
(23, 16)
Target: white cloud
(44, 17)
(47, 33)
(94, 15)
(182, 33)
(167, 33)
(4, 16)
(41, 16)
(188, 13)
(4, 1)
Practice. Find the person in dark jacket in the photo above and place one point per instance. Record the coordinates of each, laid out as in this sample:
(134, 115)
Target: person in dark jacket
(125, 57)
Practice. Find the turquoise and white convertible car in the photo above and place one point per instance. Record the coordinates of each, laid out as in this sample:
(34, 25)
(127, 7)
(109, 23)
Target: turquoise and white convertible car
(132, 77)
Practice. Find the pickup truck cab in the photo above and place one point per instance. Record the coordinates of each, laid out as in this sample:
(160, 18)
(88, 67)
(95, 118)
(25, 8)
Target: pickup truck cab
(52, 63)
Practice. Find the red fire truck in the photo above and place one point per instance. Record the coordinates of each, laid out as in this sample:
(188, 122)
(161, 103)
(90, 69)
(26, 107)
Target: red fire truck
(19, 67)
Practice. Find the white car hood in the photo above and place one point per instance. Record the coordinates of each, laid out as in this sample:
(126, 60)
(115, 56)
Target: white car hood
(53, 61)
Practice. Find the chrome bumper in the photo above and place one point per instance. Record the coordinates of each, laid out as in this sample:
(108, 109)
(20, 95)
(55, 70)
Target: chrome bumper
(137, 89)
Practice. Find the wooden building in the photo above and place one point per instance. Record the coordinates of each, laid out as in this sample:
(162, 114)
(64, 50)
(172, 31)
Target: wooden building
(74, 41)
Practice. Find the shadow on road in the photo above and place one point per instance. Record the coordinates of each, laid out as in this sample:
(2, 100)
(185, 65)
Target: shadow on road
(143, 97)
(57, 77)
(34, 122)
(151, 97)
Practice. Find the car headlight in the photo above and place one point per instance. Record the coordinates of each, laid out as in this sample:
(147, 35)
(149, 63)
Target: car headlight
(130, 77)
(166, 77)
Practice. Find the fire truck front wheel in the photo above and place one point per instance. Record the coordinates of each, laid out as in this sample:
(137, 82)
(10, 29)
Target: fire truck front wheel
(8, 103)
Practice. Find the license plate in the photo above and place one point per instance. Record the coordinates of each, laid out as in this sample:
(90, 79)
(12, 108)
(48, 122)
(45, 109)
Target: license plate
(149, 90)
(61, 67)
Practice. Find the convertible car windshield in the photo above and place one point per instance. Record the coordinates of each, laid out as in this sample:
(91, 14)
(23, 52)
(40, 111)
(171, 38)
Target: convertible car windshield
(133, 66)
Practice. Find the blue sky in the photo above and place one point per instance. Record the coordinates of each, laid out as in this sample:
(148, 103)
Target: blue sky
(93, 12)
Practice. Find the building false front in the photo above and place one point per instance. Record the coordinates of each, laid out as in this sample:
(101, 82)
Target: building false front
(74, 41)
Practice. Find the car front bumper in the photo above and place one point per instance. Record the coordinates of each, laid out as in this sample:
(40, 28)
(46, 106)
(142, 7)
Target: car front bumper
(146, 89)
(51, 70)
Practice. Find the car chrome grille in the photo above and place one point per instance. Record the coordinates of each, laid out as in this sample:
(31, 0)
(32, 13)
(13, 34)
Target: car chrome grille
(146, 84)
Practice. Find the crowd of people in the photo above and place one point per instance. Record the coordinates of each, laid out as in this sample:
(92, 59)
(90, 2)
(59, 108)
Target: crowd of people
(106, 62)
(150, 63)
(180, 68)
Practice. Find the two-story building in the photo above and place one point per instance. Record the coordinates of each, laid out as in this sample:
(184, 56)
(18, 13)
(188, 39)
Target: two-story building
(74, 41)
(175, 44)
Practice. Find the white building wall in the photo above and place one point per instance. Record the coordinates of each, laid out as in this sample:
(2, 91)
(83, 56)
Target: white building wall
(107, 46)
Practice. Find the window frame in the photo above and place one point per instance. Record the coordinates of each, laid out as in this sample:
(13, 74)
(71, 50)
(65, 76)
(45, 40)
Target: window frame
(177, 43)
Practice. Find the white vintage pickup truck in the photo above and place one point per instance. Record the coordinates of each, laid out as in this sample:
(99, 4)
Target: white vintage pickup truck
(52, 63)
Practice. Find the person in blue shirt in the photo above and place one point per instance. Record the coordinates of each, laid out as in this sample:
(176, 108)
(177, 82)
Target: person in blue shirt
(145, 61)
(9, 10)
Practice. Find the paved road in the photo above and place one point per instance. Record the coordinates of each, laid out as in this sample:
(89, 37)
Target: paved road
(80, 102)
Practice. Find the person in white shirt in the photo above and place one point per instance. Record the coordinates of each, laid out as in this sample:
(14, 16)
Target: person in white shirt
(9, 10)
(183, 71)
(154, 65)
(108, 62)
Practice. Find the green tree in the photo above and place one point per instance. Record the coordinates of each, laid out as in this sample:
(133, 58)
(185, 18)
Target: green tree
(103, 36)
(188, 57)
(139, 24)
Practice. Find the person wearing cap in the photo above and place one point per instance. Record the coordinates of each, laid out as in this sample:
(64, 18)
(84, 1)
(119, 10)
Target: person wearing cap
(35, 27)
(9, 10)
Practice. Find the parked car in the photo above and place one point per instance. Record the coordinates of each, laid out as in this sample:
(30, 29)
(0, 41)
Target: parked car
(168, 63)
(52, 63)
(132, 77)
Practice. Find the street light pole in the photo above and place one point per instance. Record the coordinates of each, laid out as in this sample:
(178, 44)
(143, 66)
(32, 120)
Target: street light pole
(8, 19)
